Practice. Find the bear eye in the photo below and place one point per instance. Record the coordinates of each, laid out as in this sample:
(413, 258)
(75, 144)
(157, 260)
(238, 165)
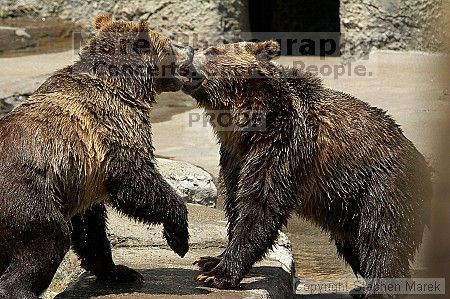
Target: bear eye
(212, 52)
(142, 46)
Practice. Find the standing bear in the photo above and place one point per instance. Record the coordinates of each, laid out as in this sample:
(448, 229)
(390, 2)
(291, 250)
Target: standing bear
(81, 141)
(293, 145)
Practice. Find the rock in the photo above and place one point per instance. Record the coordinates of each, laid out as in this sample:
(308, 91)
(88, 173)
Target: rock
(394, 25)
(67, 273)
(200, 21)
(144, 17)
(192, 183)
(21, 34)
(167, 276)
(416, 24)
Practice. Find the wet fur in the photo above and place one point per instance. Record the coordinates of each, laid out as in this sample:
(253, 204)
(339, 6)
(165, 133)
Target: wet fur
(81, 141)
(325, 155)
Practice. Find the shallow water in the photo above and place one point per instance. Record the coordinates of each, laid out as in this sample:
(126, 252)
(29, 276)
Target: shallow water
(37, 36)
(315, 257)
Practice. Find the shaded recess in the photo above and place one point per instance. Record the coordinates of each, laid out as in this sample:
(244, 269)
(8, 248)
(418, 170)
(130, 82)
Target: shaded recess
(315, 19)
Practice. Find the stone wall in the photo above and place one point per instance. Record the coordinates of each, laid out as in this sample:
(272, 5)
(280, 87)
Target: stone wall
(391, 24)
(383, 24)
(212, 21)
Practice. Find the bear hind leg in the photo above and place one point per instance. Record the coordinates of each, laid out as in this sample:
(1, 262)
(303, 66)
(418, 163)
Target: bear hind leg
(349, 253)
(382, 256)
(33, 263)
(90, 242)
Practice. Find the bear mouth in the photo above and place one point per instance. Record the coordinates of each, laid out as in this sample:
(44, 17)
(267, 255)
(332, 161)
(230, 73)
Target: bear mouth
(192, 82)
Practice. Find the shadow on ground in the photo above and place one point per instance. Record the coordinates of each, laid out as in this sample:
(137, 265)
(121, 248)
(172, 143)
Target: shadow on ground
(176, 282)
(156, 281)
(324, 296)
(261, 277)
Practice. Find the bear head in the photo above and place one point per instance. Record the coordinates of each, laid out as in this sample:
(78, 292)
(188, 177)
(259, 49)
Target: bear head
(134, 58)
(221, 76)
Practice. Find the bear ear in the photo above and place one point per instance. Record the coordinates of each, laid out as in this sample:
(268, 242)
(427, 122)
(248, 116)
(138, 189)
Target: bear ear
(101, 21)
(142, 26)
(267, 49)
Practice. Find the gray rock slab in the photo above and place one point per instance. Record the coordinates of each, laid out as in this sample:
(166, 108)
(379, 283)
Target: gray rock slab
(393, 25)
(192, 183)
(168, 276)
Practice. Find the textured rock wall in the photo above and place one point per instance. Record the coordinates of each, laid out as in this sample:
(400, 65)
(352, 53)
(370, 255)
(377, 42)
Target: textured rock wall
(391, 24)
(212, 21)
(384, 24)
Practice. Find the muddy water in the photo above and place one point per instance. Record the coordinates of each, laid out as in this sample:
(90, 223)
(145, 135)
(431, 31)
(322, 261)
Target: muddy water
(315, 257)
(27, 36)
(168, 105)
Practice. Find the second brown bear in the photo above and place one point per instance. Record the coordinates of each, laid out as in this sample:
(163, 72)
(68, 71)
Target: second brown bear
(331, 158)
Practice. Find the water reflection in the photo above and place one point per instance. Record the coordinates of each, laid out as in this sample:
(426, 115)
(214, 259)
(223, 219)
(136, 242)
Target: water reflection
(315, 257)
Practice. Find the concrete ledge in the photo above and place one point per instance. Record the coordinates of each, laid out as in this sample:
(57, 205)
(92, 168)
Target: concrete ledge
(168, 276)
(168, 281)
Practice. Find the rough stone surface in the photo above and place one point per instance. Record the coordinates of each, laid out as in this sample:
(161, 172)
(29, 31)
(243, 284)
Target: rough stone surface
(192, 183)
(365, 24)
(168, 276)
(19, 36)
(392, 25)
(211, 21)
(68, 272)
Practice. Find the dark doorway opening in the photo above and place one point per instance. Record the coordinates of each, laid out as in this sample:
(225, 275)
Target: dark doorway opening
(310, 19)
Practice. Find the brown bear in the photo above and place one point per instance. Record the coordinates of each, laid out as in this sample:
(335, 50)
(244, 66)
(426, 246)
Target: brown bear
(292, 145)
(81, 141)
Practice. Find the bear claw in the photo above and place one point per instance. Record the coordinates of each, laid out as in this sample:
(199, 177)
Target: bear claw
(207, 263)
(214, 281)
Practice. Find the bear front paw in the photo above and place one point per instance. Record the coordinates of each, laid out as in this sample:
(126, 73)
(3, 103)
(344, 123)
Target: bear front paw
(217, 278)
(207, 263)
(121, 274)
(214, 281)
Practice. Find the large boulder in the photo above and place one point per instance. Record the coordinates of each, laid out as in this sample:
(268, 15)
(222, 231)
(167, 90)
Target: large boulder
(192, 183)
